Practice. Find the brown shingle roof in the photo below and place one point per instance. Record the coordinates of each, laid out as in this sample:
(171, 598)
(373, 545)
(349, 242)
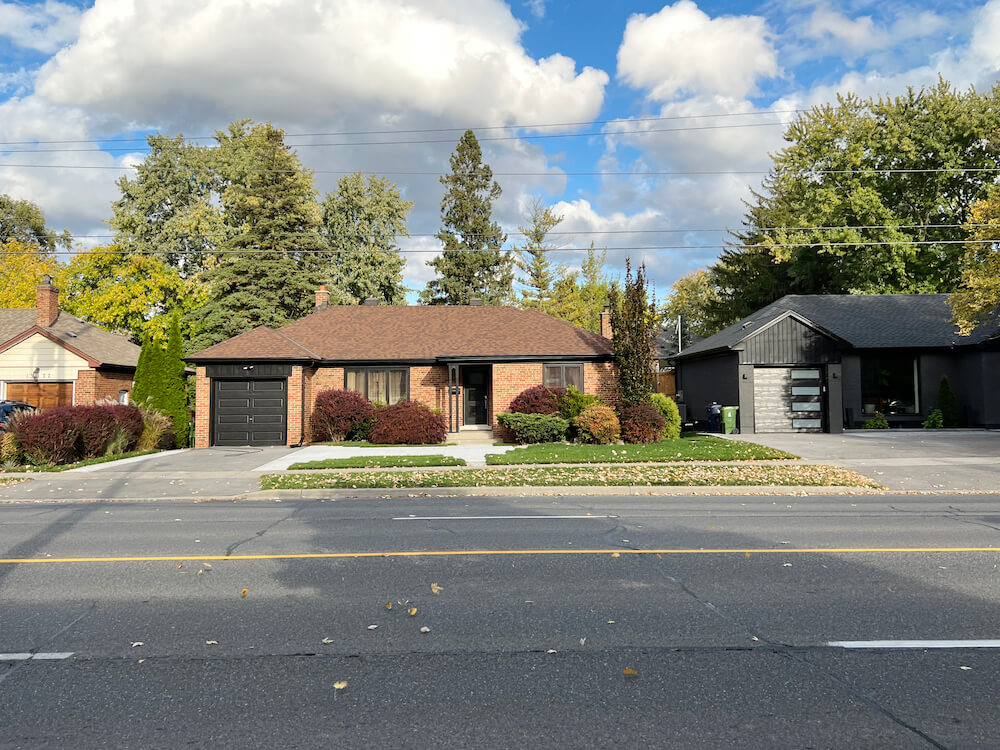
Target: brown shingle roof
(257, 343)
(96, 343)
(359, 333)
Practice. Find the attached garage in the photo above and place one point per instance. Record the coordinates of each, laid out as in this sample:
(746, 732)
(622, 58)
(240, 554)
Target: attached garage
(249, 404)
(788, 399)
(41, 395)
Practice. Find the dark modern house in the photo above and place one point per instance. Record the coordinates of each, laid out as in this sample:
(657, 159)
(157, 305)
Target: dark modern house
(823, 363)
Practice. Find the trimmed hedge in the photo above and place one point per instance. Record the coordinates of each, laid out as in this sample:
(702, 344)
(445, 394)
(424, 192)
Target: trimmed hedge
(535, 428)
(339, 414)
(597, 424)
(671, 415)
(408, 422)
(642, 423)
(538, 400)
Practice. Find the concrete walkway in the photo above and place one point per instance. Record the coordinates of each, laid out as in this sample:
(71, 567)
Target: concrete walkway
(474, 454)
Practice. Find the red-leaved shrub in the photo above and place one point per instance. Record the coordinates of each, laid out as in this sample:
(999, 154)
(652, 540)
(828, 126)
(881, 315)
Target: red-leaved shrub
(129, 420)
(96, 426)
(340, 414)
(409, 422)
(537, 400)
(642, 423)
(48, 437)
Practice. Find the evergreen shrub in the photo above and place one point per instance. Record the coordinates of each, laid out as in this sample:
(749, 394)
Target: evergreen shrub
(572, 404)
(538, 400)
(408, 422)
(597, 424)
(934, 421)
(340, 414)
(534, 428)
(671, 415)
(948, 404)
(642, 423)
(877, 422)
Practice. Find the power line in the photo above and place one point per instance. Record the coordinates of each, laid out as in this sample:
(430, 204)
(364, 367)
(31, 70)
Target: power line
(630, 173)
(431, 130)
(401, 251)
(588, 232)
(412, 142)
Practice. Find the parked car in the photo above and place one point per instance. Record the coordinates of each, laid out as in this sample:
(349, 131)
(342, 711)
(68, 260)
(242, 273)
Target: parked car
(10, 407)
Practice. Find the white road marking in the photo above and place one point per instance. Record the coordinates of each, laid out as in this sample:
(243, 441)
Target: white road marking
(44, 656)
(915, 644)
(494, 518)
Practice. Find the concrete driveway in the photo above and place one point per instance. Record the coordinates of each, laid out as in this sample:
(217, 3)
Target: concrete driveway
(902, 459)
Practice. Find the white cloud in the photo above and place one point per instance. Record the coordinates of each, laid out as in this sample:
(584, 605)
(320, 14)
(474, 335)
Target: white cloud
(189, 62)
(844, 35)
(682, 49)
(44, 27)
(537, 7)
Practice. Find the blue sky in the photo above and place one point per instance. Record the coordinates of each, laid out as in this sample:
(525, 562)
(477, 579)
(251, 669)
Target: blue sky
(658, 86)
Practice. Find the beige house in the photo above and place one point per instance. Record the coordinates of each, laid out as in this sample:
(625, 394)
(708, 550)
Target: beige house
(50, 358)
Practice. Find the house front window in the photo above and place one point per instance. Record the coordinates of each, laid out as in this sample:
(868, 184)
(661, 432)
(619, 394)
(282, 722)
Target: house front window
(563, 376)
(383, 385)
(889, 384)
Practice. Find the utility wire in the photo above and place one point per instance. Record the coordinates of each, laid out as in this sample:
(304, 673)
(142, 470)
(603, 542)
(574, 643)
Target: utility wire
(432, 130)
(402, 251)
(672, 173)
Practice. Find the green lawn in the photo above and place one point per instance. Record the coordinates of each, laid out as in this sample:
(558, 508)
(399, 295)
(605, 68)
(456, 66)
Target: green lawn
(379, 462)
(611, 476)
(687, 448)
(78, 464)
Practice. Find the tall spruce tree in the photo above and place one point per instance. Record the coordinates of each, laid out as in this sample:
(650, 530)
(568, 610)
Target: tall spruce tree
(274, 255)
(534, 262)
(147, 373)
(473, 262)
(634, 324)
(361, 221)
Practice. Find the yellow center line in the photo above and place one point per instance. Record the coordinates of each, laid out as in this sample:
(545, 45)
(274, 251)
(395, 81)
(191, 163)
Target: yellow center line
(489, 552)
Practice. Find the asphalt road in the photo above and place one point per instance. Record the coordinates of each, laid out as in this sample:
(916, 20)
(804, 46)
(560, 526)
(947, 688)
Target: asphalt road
(724, 609)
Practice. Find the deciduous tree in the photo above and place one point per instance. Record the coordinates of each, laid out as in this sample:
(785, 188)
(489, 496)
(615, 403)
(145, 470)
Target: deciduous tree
(22, 267)
(978, 299)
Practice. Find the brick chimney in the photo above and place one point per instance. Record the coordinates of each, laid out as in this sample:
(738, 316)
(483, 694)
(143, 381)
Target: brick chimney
(47, 305)
(606, 323)
(322, 297)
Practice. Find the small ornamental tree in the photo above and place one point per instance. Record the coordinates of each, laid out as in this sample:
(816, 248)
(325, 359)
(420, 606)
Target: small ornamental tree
(538, 400)
(948, 404)
(634, 325)
(146, 371)
(339, 414)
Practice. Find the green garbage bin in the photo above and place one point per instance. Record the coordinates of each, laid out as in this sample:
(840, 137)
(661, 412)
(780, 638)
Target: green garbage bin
(729, 419)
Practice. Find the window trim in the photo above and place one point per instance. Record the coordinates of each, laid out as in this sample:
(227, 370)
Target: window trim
(562, 370)
(386, 369)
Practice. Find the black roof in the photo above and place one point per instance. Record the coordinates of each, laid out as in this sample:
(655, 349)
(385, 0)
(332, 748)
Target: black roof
(865, 321)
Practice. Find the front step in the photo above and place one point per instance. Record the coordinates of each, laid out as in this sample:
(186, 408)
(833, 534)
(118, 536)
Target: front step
(471, 437)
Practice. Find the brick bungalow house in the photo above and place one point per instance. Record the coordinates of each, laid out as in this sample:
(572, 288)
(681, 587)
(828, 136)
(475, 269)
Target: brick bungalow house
(258, 388)
(50, 358)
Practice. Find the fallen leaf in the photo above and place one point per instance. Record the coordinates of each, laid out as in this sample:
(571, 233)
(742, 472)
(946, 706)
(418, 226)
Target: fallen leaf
(211, 643)
(388, 605)
(373, 627)
(552, 651)
(611, 622)
(243, 592)
(200, 571)
(616, 554)
(629, 672)
(425, 629)
(327, 640)
(786, 565)
(141, 661)
(967, 669)
(207, 565)
(435, 589)
(340, 685)
(582, 641)
(180, 565)
(137, 643)
(412, 612)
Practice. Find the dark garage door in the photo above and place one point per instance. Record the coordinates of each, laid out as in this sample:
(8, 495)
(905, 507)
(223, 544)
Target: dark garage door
(249, 412)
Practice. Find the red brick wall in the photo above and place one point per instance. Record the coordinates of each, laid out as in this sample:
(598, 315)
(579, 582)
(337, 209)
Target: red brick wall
(509, 379)
(320, 379)
(296, 415)
(429, 385)
(93, 385)
(202, 411)
(601, 379)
